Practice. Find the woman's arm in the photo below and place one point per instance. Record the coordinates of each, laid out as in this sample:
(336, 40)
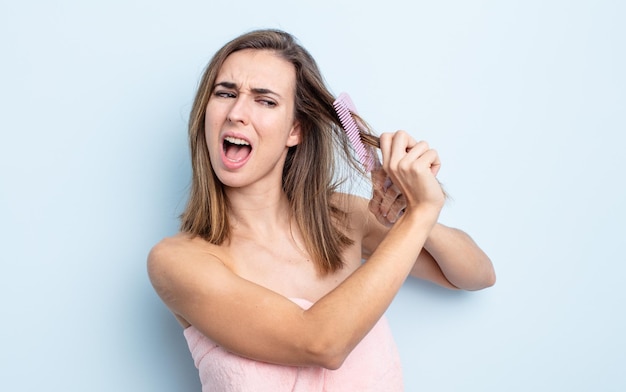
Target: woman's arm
(257, 323)
(450, 257)
(461, 261)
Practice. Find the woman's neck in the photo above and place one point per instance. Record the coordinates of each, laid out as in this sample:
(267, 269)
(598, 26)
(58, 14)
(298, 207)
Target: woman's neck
(258, 212)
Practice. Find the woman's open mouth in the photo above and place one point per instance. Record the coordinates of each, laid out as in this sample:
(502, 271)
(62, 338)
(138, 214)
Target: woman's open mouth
(236, 149)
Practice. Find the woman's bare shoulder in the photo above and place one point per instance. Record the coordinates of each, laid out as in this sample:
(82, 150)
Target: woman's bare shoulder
(180, 255)
(182, 245)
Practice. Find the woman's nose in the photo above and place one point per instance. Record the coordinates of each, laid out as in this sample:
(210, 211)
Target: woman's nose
(239, 111)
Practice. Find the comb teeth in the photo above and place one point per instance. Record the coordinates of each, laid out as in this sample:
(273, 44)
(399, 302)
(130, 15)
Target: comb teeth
(345, 107)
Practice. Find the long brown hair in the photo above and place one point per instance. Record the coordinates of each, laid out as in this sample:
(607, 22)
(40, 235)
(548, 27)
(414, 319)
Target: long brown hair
(309, 174)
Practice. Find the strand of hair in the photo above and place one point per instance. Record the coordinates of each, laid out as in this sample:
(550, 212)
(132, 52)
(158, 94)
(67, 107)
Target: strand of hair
(370, 140)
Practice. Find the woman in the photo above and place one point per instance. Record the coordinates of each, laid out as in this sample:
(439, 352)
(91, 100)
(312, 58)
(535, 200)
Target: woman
(266, 275)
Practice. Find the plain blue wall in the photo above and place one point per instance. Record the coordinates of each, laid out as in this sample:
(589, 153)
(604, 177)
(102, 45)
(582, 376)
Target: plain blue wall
(525, 101)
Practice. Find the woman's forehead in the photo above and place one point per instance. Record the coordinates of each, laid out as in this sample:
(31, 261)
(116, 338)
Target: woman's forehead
(258, 69)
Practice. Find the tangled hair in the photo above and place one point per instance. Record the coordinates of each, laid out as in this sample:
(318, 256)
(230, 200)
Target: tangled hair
(308, 177)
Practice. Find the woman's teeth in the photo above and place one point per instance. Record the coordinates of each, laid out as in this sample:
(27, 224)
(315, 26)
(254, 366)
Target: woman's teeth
(236, 149)
(237, 141)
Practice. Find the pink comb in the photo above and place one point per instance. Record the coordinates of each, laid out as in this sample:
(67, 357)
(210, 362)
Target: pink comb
(345, 107)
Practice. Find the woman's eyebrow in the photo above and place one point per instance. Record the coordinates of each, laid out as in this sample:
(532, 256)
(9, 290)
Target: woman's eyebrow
(265, 91)
(228, 85)
(256, 90)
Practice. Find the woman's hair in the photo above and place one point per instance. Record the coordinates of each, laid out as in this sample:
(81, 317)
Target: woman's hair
(309, 174)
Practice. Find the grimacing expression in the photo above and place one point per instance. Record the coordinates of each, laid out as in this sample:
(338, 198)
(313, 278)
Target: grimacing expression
(250, 121)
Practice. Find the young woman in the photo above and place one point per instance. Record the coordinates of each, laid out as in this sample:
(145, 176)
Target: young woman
(267, 275)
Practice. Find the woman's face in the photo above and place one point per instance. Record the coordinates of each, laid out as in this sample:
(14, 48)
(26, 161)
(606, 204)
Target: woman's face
(250, 120)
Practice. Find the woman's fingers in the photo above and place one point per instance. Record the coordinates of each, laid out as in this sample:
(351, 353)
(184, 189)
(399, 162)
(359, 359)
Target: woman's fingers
(421, 158)
(380, 184)
(394, 208)
(392, 204)
(387, 202)
(394, 146)
(412, 167)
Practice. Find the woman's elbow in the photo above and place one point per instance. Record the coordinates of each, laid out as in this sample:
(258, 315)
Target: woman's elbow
(489, 274)
(488, 280)
(477, 277)
(484, 279)
(333, 363)
(327, 353)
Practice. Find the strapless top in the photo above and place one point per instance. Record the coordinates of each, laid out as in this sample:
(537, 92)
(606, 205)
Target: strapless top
(373, 366)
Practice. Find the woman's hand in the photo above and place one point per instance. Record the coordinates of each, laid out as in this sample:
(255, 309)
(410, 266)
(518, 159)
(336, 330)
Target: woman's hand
(407, 178)
(387, 203)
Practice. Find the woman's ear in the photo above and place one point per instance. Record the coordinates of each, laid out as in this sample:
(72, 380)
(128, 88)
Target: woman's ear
(295, 135)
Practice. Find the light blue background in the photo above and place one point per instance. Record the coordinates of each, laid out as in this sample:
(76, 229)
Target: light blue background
(525, 101)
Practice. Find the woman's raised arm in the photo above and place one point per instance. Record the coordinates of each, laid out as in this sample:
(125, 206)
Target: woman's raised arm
(255, 322)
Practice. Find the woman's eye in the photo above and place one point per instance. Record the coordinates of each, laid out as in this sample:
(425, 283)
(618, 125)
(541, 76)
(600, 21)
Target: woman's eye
(267, 102)
(225, 94)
